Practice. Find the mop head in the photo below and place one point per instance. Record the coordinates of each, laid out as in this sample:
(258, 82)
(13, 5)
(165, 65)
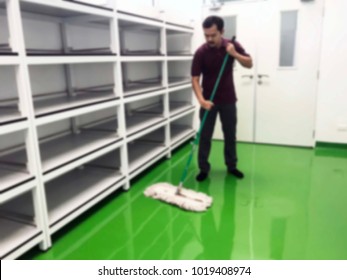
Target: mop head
(187, 199)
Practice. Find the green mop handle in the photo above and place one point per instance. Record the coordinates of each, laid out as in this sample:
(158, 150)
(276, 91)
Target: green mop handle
(197, 138)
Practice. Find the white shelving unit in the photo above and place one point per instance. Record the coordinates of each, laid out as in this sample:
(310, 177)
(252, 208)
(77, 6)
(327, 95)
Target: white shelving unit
(141, 77)
(144, 113)
(182, 129)
(178, 41)
(180, 100)
(132, 32)
(9, 99)
(145, 150)
(14, 170)
(179, 71)
(72, 193)
(18, 232)
(5, 44)
(70, 27)
(90, 97)
(62, 87)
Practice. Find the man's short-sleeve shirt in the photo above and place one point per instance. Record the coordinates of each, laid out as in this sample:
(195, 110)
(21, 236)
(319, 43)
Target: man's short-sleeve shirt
(207, 62)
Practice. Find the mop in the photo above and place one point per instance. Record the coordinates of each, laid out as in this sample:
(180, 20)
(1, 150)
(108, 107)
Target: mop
(184, 198)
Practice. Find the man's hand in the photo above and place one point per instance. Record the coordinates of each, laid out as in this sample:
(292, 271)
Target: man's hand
(206, 104)
(231, 50)
(245, 61)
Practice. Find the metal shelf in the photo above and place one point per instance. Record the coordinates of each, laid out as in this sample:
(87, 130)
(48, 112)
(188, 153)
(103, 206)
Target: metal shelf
(14, 234)
(141, 58)
(176, 81)
(70, 147)
(180, 131)
(177, 107)
(13, 163)
(67, 148)
(178, 71)
(123, 15)
(174, 27)
(135, 123)
(62, 8)
(11, 127)
(67, 194)
(60, 19)
(149, 36)
(140, 122)
(5, 49)
(178, 57)
(180, 87)
(9, 95)
(176, 30)
(140, 152)
(178, 54)
(13, 176)
(141, 90)
(107, 124)
(149, 52)
(178, 42)
(64, 103)
(141, 86)
(90, 5)
(140, 75)
(71, 52)
(9, 115)
(144, 117)
(70, 38)
(9, 59)
(71, 191)
(45, 60)
(176, 117)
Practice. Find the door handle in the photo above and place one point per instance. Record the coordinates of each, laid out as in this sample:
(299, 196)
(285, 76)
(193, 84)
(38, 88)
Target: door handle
(249, 76)
(262, 75)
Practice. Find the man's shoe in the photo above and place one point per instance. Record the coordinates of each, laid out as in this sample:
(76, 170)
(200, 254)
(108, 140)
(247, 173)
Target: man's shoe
(201, 176)
(236, 173)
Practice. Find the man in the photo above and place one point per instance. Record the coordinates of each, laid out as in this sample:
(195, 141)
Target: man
(207, 61)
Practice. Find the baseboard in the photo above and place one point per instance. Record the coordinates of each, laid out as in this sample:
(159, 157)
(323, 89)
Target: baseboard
(331, 145)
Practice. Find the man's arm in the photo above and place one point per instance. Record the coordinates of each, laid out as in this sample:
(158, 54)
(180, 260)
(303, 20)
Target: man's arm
(206, 104)
(245, 61)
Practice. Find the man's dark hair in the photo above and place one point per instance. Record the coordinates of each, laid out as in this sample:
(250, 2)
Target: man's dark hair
(211, 20)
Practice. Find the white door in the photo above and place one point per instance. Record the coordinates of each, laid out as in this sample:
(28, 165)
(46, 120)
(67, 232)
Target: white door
(286, 46)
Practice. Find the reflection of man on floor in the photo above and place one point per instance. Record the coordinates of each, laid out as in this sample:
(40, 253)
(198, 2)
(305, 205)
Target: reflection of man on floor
(217, 241)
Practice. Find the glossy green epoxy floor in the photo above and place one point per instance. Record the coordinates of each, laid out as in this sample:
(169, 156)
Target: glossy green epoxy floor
(291, 205)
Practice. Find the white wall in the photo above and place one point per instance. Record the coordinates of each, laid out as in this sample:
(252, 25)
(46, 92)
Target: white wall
(331, 112)
(185, 11)
(190, 9)
(331, 125)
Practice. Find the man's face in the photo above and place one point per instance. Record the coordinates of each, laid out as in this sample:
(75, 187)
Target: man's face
(213, 36)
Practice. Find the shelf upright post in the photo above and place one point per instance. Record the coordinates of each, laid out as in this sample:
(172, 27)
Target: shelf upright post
(115, 41)
(124, 153)
(166, 95)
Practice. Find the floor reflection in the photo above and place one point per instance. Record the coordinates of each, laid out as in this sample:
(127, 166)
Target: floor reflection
(290, 205)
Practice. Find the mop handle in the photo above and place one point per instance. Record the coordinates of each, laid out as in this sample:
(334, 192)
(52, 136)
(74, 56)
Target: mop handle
(197, 138)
